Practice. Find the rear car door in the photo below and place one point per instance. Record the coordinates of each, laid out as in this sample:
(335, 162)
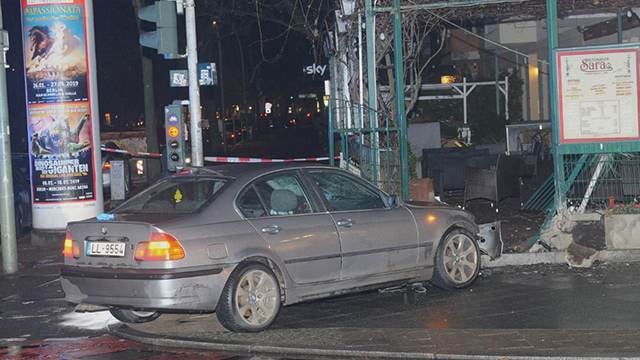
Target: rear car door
(305, 239)
(375, 238)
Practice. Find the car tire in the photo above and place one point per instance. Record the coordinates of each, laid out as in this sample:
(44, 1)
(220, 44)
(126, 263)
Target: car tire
(250, 300)
(457, 261)
(134, 317)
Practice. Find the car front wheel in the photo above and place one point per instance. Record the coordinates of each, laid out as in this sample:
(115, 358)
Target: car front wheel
(133, 316)
(457, 261)
(250, 300)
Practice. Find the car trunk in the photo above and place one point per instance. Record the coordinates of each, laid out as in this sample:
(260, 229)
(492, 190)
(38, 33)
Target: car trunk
(101, 242)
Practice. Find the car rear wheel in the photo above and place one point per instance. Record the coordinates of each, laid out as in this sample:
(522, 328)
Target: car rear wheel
(457, 262)
(250, 300)
(133, 316)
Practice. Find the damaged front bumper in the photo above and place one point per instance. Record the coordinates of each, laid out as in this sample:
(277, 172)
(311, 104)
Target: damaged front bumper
(490, 240)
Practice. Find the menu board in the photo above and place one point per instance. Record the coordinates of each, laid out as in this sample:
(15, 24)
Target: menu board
(598, 95)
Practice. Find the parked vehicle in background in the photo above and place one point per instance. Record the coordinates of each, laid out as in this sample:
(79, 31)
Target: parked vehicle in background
(242, 240)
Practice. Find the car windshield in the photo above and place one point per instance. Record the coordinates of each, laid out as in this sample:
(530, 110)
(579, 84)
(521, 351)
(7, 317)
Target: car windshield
(173, 196)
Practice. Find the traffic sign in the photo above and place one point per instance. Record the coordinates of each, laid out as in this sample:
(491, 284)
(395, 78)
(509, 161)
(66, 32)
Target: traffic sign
(207, 76)
(178, 78)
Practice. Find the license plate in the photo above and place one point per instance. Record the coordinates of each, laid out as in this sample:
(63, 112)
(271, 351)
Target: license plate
(96, 248)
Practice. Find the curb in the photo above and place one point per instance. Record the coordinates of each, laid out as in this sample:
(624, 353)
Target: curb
(558, 257)
(125, 332)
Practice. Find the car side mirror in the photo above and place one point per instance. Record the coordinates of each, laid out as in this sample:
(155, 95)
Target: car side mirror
(393, 201)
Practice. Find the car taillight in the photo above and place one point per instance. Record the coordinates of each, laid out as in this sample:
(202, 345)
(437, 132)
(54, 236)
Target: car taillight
(161, 247)
(71, 247)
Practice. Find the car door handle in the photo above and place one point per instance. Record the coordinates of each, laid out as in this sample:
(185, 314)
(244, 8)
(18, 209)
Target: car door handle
(271, 229)
(345, 223)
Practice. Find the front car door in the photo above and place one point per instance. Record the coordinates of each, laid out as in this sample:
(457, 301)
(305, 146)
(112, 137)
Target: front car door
(305, 239)
(375, 238)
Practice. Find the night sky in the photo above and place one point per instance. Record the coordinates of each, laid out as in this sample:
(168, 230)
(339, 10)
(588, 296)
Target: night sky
(119, 68)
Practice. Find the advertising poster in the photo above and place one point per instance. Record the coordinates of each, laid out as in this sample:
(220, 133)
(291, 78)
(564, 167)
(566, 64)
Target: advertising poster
(58, 102)
(598, 92)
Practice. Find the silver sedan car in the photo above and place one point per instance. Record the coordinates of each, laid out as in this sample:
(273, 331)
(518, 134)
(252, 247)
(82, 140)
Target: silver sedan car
(244, 240)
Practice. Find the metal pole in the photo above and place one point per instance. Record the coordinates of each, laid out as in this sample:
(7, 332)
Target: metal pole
(195, 112)
(619, 25)
(398, 67)
(360, 77)
(464, 100)
(497, 79)
(372, 87)
(221, 85)
(332, 153)
(7, 215)
(331, 94)
(558, 160)
(335, 90)
(506, 98)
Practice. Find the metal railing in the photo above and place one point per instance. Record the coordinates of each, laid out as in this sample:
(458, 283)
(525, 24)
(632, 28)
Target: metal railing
(592, 179)
(369, 151)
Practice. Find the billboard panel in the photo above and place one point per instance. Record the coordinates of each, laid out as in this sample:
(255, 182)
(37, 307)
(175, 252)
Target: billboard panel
(60, 109)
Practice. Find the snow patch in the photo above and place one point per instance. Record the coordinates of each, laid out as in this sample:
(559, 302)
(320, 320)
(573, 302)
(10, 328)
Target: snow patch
(88, 320)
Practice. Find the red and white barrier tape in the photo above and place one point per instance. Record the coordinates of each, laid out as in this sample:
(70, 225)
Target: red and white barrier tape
(221, 159)
(228, 159)
(134, 154)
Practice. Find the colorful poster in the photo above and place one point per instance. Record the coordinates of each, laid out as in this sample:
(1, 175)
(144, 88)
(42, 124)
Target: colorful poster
(59, 110)
(598, 95)
(61, 152)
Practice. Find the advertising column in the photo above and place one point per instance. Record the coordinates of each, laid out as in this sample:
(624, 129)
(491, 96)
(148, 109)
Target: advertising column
(62, 111)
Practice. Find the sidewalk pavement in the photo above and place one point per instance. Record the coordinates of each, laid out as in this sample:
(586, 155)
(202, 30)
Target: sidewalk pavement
(539, 311)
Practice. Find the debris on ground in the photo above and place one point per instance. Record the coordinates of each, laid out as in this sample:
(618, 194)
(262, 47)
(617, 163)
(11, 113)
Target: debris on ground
(580, 256)
(590, 234)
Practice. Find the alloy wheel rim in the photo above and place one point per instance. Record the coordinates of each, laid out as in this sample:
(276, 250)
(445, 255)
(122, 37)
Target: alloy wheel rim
(256, 297)
(460, 258)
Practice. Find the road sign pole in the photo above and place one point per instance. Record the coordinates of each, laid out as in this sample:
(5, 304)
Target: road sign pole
(197, 158)
(7, 214)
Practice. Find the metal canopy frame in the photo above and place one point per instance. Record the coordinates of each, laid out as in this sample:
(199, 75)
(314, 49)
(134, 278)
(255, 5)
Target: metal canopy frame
(463, 89)
(446, 4)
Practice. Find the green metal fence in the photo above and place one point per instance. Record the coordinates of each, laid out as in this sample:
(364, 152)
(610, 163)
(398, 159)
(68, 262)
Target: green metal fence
(594, 178)
(371, 152)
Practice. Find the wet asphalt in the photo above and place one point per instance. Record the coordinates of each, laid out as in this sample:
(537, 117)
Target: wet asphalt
(544, 309)
(541, 310)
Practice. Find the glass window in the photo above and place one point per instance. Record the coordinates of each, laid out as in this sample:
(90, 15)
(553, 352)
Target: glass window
(249, 204)
(283, 195)
(342, 193)
(173, 196)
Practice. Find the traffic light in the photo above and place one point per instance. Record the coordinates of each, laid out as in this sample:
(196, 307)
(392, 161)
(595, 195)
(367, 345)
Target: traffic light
(165, 38)
(174, 127)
